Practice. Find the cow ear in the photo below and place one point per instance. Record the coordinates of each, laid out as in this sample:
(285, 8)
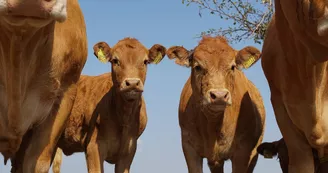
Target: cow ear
(102, 52)
(156, 53)
(247, 57)
(180, 54)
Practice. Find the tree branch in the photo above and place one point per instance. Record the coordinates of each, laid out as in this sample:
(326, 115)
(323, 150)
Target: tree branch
(248, 21)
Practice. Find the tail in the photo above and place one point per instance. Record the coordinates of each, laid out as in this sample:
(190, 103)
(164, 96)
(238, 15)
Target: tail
(57, 161)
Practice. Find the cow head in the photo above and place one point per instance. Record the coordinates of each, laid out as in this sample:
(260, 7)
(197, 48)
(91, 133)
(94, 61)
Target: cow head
(129, 60)
(32, 13)
(270, 149)
(214, 65)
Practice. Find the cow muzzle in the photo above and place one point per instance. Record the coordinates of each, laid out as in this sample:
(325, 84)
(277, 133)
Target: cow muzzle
(132, 88)
(218, 98)
(30, 11)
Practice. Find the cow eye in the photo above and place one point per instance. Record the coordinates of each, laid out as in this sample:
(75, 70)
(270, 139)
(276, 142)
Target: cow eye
(146, 62)
(116, 62)
(233, 67)
(198, 68)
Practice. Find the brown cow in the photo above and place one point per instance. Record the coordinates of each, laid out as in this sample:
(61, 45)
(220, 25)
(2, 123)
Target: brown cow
(40, 59)
(109, 112)
(221, 112)
(269, 149)
(295, 54)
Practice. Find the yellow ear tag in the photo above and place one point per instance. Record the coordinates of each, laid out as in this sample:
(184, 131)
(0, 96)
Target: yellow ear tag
(249, 62)
(101, 57)
(158, 58)
(267, 154)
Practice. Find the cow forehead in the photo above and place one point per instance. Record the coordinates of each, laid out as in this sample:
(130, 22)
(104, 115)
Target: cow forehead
(214, 53)
(128, 52)
(132, 51)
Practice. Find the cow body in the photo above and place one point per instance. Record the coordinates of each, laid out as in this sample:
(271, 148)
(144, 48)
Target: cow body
(228, 137)
(118, 124)
(40, 59)
(109, 112)
(209, 129)
(294, 61)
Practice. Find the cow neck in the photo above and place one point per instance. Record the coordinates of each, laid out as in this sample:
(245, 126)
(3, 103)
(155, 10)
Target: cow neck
(127, 113)
(217, 134)
(125, 110)
(214, 123)
(218, 128)
(15, 59)
(19, 48)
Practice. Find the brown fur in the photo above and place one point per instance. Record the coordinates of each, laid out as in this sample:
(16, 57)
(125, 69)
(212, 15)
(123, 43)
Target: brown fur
(279, 148)
(295, 64)
(223, 132)
(37, 66)
(105, 121)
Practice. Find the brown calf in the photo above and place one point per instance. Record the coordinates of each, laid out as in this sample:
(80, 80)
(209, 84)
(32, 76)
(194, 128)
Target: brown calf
(109, 112)
(40, 59)
(221, 113)
(269, 149)
(295, 63)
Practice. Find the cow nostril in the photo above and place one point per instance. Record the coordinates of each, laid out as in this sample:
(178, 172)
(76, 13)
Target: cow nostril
(127, 83)
(137, 83)
(213, 96)
(226, 95)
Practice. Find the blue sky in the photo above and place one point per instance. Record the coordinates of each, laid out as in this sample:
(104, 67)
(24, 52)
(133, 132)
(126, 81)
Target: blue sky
(168, 23)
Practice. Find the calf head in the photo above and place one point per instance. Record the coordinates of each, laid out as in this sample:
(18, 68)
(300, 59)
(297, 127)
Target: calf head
(32, 13)
(214, 65)
(269, 149)
(129, 60)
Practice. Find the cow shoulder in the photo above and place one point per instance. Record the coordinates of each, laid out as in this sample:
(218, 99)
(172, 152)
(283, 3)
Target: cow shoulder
(250, 113)
(95, 95)
(70, 49)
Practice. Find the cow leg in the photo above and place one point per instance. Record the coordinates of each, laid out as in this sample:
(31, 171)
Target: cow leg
(57, 160)
(252, 164)
(244, 160)
(216, 167)
(17, 161)
(95, 161)
(299, 151)
(39, 152)
(323, 167)
(322, 164)
(124, 164)
(194, 161)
